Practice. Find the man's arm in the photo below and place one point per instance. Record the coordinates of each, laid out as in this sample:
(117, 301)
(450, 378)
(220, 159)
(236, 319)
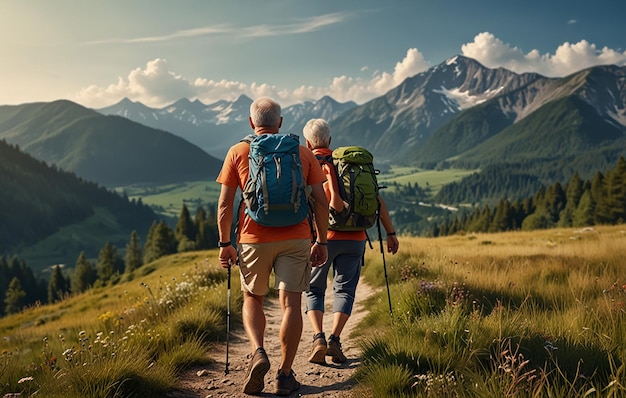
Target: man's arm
(319, 253)
(336, 201)
(385, 219)
(225, 213)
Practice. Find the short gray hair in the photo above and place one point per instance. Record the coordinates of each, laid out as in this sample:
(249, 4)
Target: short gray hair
(265, 112)
(317, 132)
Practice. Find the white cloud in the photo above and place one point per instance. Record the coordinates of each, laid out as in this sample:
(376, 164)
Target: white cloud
(157, 86)
(568, 58)
(298, 26)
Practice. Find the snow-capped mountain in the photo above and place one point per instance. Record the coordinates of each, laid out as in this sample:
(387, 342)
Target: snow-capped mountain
(459, 111)
(412, 112)
(460, 104)
(217, 126)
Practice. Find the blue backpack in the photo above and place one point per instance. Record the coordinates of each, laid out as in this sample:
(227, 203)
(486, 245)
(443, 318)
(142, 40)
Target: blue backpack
(275, 193)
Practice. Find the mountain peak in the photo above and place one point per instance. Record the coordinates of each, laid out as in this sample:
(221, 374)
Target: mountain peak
(126, 101)
(451, 61)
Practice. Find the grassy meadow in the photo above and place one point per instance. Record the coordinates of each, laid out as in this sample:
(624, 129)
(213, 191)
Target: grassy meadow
(168, 199)
(432, 179)
(127, 340)
(520, 314)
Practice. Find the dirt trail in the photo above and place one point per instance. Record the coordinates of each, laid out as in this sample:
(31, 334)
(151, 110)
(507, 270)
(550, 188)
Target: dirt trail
(317, 380)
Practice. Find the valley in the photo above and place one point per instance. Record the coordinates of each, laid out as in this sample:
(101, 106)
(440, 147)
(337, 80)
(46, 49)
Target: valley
(168, 199)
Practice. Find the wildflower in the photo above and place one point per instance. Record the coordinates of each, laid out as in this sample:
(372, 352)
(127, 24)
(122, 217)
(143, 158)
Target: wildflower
(549, 346)
(82, 334)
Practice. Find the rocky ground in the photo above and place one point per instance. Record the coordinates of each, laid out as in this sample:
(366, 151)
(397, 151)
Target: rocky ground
(317, 380)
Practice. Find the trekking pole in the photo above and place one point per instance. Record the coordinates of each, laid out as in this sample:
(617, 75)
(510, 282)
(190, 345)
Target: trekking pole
(226, 371)
(380, 239)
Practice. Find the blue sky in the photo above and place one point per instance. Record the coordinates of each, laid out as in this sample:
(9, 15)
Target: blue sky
(156, 52)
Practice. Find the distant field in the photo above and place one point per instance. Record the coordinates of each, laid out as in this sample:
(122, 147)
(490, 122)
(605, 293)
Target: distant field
(434, 179)
(168, 199)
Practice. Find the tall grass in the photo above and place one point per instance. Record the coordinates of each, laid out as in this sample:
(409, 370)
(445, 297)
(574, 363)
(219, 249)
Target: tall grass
(127, 340)
(523, 314)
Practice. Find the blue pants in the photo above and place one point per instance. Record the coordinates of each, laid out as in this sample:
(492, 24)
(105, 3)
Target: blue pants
(346, 257)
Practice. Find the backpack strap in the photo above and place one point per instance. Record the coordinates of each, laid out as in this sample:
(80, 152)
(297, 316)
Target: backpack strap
(248, 139)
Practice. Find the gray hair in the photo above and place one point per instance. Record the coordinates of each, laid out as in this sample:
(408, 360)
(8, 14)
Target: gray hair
(265, 112)
(317, 132)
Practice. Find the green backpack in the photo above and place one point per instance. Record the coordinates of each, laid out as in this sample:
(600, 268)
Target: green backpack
(358, 187)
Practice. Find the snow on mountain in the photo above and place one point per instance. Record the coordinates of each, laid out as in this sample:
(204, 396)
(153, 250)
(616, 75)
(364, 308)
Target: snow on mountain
(217, 126)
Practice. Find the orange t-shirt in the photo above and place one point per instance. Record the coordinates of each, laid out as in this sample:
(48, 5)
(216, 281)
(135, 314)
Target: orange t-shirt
(335, 235)
(234, 173)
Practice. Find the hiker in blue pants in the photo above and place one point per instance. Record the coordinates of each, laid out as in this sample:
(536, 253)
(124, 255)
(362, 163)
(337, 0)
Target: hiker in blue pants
(345, 254)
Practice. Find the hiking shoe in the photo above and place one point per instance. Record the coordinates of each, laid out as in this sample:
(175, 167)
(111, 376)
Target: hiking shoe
(334, 349)
(286, 384)
(318, 349)
(259, 365)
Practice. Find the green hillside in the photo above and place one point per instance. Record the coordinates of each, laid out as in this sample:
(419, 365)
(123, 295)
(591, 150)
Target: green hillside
(39, 202)
(562, 128)
(466, 131)
(110, 150)
(168, 199)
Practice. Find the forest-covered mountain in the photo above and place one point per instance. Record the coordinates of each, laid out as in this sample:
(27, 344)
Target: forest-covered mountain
(109, 150)
(41, 202)
(466, 114)
(579, 203)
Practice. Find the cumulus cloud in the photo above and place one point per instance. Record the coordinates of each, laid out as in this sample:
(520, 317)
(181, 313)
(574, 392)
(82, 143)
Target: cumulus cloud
(157, 86)
(567, 58)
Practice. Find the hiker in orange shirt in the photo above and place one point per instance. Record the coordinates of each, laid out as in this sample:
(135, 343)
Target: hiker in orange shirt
(345, 254)
(286, 250)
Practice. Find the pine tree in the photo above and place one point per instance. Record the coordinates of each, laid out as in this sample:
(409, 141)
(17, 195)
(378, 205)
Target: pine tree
(484, 221)
(148, 248)
(84, 274)
(572, 194)
(162, 242)
(4, 279)
(554, 202)
(57, 287)
(14, 299)
(133, 258)
(202, 231)
(602, 211)
(502, 218)
(584, 214)
(616, 192)
(185, 231)
(108, 264)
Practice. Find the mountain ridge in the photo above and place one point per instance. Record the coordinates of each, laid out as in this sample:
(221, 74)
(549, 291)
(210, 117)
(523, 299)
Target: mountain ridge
(110, 150)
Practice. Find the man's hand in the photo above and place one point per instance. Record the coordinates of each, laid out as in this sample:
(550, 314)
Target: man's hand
(392, 244)
(319, 255)
(228, 255)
